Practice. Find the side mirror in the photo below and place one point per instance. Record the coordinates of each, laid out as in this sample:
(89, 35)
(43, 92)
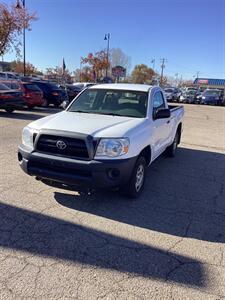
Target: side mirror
(162, 113)
(65, 104)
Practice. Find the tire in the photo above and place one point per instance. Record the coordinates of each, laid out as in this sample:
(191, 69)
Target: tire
(56, 105)
(9, 110)
(45, 103)
(171, 150)
(135, 186)
(31, 106)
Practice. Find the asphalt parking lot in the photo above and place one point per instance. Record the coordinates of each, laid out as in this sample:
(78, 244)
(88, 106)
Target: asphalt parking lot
(169, 244)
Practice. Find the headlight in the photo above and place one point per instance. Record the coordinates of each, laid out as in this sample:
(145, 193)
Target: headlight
(27, 137)
(112, 147)
(203, 97)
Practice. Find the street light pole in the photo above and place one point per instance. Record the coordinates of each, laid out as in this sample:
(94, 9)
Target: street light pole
(107, 38)
(18, 6)
(24, 45)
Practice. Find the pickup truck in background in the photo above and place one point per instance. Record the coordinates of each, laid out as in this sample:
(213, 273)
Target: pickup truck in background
(105, 138)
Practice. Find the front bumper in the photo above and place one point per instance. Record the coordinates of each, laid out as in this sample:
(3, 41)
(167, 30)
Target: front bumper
(66, 172)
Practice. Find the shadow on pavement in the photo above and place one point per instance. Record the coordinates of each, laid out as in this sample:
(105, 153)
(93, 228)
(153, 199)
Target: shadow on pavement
(35, 233)
(28, 114)
(183, 197)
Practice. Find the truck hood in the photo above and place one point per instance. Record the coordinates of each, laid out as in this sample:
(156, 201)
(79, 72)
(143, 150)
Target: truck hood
(92, 124)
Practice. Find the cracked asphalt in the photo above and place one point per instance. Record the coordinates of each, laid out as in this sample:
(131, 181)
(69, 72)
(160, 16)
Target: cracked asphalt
(169, 244)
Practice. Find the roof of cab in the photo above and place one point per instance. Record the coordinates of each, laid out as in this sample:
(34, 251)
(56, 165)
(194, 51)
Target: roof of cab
(123, 86)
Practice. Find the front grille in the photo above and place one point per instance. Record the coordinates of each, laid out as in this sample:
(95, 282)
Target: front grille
(75, 148)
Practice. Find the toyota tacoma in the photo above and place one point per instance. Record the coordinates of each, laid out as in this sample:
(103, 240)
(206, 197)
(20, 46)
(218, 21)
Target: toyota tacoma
(105, 138)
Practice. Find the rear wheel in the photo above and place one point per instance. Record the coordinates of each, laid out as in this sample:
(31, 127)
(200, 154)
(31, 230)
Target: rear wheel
(171, 150)
(135, 186)
(45, 103)
(9, 110)
(57, 104)
(31, 106)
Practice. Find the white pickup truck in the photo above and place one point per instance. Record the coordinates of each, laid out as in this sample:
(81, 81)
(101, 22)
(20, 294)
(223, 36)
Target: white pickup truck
(105, 138)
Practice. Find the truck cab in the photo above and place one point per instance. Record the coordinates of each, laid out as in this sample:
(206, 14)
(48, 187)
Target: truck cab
(105, 138)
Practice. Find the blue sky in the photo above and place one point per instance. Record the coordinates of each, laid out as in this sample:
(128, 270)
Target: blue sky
(190, 34)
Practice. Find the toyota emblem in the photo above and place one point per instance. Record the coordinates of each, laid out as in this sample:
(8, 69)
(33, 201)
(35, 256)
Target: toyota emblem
(61, 145)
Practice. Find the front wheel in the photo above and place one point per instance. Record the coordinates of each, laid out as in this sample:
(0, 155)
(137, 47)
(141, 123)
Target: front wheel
(30, 106)
(45, 103)
(9, 110)
(135, 186)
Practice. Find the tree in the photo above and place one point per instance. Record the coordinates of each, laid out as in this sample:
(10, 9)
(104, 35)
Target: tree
(12, 22)
(142, 74)
(98, 64)
(17, 66)
(58, 74)
(119, 58)
(77, 75)
(185, 83)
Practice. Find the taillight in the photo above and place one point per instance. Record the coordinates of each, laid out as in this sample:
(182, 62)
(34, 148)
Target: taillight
(55, 93)
(6, 96)
(27, 95)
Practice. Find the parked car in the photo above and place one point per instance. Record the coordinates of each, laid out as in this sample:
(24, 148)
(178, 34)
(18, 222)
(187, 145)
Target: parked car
(32, 94)
(12, 84)
(105, 138)
(172, 94)
(83, 85)
(52, 94)
(10, 99)
(9, 76)
(189, 96)
(72, 91)
(212, 96)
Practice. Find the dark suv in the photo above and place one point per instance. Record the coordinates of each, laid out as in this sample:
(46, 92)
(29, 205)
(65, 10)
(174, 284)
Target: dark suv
(52, 94)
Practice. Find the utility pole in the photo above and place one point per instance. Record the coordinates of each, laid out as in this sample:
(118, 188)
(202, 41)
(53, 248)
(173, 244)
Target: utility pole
(153, 64)
(176, 78)
(163, 60)
(181, 79)
(197, 74)
(18, 6)
(80, 70)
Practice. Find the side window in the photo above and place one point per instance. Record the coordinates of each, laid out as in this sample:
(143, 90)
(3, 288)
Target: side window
(158, 101)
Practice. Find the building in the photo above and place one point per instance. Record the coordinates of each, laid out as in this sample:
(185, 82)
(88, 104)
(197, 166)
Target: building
(209, 83)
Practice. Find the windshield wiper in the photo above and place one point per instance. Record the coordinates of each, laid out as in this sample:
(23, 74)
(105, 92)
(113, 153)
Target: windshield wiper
(82, 111)
(109, 114)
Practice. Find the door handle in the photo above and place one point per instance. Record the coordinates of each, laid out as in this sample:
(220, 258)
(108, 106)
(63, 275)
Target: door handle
(168, 122)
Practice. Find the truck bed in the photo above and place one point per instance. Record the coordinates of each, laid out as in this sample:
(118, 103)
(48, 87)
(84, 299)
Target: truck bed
(175, 107)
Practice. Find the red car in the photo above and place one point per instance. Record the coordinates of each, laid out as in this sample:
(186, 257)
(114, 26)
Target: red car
(33, 95)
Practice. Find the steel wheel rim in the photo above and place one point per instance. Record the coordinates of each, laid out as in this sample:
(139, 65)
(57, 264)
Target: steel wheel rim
(139, 177)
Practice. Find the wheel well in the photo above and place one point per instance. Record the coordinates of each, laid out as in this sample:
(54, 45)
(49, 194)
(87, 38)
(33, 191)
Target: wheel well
(179, 129)
(146, 152)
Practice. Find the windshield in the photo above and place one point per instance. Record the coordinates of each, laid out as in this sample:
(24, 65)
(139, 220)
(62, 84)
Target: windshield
(3, 87)
(191, 92)
(32, 87)
(211, 93)
(112, 102)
